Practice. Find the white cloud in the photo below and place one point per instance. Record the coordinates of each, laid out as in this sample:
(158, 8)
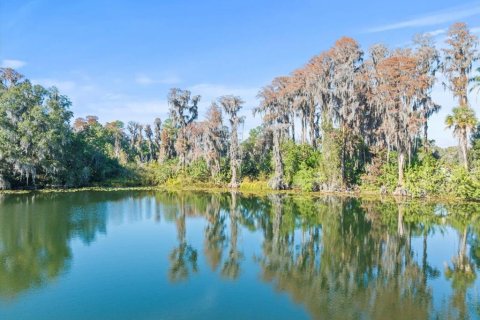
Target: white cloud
(12, 63)
(434, 18)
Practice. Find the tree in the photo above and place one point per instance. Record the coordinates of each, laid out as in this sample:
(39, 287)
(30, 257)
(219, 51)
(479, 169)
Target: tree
(135, 130)
(150, 142)
(157, 130)
(232, 105)
(463, 122)
(183, 111)
(34, 132)
(214, 139)
(116, 129)
(401, 82)
(346, 56)
(9, 78)
(460, 54)
(275, 117)
(428, 63)
(319, 84)
(167, 138)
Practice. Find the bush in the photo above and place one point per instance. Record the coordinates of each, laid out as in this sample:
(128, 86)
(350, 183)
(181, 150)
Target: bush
(466, 184)
(329, 171)
(381, 173)
(307, 179)
(198, 171)
(426, 177)
(160, 173)
(301, 165)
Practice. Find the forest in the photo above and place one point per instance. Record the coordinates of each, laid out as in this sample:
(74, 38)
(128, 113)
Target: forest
(345, 121)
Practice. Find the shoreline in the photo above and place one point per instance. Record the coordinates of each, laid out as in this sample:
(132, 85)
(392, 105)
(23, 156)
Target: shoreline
(366, 195)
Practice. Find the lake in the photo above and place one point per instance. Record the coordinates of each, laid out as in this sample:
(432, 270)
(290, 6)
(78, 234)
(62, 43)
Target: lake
(184, 255)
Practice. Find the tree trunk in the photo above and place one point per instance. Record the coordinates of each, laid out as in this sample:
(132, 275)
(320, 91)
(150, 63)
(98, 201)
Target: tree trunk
(425, 135)
(463, 99)
(234, 183)
(312, 123)
(304, 129)
(292, 121)
(464, 148)
(277, 182)
(343, 157)
(388, 149)
(4, 183)
(401, 165)
(117, 147)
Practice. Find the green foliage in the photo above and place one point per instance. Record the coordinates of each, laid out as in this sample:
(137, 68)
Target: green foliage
(301, 165)
(382, 172)
(426, 177)
(198, 171)
(462, 118)
(34, 132)
(466, 184)
(39, 148)
(160, 173)
(256, 155)
(330, 175)
(256, 185)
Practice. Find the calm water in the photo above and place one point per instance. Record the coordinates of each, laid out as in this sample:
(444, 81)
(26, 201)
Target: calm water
(157, 255)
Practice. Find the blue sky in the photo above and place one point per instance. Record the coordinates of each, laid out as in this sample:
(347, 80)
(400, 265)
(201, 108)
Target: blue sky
(117, 59)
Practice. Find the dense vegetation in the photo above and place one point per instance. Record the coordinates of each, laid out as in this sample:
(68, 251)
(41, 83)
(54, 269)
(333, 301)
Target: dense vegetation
(344, 121)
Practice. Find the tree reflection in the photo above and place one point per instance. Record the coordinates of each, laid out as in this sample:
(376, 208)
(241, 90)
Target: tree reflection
(344, 266)
(35, 234)
(214, 233)
(461, 272)
(340, 258)
(231, 267)
(183, 258)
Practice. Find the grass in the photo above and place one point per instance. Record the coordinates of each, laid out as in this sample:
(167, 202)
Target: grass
(256, 187)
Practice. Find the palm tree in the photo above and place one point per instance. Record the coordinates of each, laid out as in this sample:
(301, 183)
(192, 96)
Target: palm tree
(463, 122)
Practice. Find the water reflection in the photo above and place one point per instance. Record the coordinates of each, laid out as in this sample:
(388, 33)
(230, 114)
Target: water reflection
(34, 237)
(183, 258)
(338, 258)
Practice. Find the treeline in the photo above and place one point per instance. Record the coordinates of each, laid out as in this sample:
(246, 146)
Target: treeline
(346, 120)
(365, 114)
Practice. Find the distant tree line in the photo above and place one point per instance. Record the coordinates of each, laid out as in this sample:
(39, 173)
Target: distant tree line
(343, 121)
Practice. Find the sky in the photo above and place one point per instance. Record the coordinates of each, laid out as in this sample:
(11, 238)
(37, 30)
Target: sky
(118, 59)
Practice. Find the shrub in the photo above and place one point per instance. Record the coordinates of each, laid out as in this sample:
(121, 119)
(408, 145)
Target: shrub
(426, 177)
